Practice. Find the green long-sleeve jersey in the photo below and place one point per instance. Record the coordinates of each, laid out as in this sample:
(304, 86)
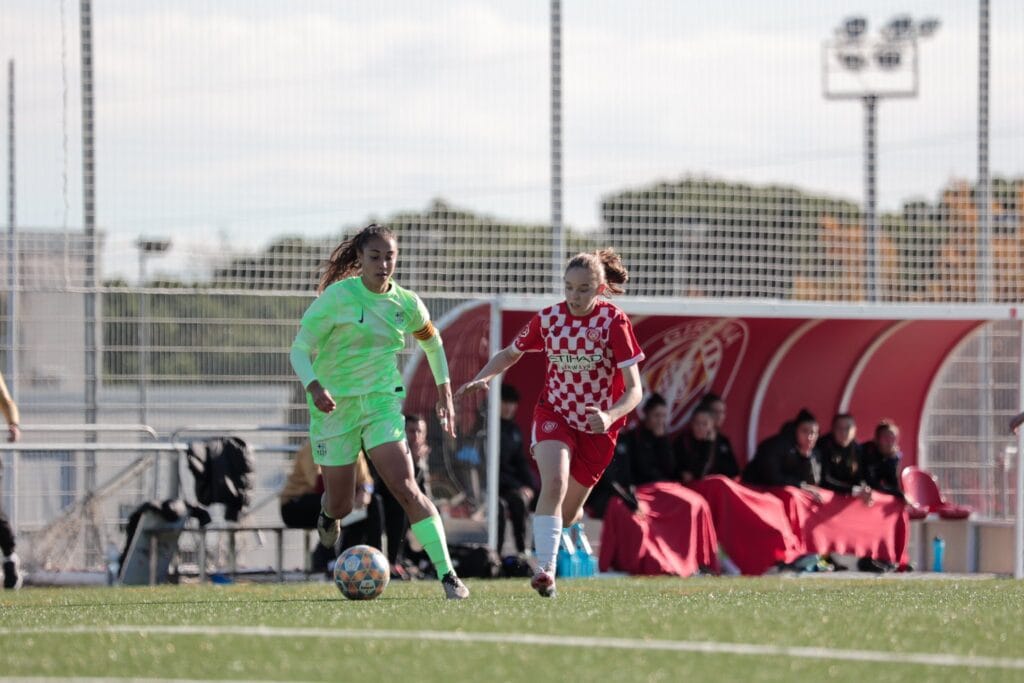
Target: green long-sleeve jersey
(356, 335)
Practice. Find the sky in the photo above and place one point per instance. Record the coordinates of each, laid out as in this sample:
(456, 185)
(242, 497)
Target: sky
(222, 124)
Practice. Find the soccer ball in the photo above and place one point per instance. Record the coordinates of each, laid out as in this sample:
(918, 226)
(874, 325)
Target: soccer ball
(361, 573)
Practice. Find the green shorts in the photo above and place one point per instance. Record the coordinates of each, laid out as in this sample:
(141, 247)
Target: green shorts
(357, 423)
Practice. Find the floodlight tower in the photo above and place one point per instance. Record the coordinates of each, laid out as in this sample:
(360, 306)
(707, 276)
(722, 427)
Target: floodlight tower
(856, 65)
(147, 247)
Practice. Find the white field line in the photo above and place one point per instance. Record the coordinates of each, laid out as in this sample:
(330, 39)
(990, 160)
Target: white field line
(111, 679)
(631, 644)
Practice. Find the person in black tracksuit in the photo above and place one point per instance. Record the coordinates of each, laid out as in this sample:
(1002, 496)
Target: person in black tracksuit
(789, 458)
(842, 462)
(643, 455)
(724, 453)
(516, 488)
(11, 564)
(699, 452)
(881, 459)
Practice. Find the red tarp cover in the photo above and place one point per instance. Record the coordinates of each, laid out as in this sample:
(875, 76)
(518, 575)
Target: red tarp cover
(844, 524)
(752, 526)
(671, 533)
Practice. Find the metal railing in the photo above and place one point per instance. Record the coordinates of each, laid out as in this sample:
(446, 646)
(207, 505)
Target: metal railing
(85, 520)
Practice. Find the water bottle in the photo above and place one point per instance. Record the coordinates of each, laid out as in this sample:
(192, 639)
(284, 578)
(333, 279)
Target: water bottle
(938, 550)
(567, 564)
(588, 562)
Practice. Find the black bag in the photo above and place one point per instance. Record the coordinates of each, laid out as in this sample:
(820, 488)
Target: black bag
(475, 561)
(223, 469)
(518, 566)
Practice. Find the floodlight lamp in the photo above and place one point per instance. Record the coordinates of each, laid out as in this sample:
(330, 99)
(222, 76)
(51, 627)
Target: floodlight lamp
(899, 28)
(152, 246)
(888, 57)
(851, 60)
(854, 27)
(927, 27)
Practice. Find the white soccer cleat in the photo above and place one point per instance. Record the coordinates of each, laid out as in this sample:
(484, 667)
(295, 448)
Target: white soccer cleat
(454, 589)
(544, 584)
(329, 530)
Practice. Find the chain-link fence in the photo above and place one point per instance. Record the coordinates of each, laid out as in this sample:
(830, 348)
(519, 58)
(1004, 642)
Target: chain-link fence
(251, 139)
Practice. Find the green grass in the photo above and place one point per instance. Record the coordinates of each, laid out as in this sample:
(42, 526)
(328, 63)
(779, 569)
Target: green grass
(979, 618)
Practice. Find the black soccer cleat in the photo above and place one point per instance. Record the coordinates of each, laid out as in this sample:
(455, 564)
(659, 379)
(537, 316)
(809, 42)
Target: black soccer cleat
(12, 573)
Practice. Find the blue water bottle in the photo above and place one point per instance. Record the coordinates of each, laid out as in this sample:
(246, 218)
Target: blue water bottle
(588, 563)
(567, 563)
(938, 550)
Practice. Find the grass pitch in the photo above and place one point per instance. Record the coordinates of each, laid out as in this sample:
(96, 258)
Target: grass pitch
(629, 629)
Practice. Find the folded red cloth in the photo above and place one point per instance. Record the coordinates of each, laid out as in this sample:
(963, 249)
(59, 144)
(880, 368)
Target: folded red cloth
(671, 533)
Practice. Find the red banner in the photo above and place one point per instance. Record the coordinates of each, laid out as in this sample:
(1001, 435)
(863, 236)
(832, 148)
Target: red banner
(765, 368)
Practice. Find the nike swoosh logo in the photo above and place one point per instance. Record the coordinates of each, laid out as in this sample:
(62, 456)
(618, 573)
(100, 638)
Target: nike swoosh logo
(362, 313)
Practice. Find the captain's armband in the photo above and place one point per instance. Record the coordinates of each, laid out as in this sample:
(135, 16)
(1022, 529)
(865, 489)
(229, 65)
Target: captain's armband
(425, 332)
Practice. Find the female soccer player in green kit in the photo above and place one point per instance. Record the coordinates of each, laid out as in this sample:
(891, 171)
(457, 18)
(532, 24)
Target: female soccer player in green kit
(356, 327)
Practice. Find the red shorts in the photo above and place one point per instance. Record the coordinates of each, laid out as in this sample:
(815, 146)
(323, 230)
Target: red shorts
(589, 454)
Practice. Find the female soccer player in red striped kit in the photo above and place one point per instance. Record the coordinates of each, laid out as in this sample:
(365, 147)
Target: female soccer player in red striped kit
(592, 384)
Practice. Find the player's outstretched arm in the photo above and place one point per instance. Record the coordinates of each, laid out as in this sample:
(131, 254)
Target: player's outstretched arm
(446, 408)
(501, 362)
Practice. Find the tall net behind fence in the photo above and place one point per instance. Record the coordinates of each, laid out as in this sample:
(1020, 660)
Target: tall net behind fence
(238, 143)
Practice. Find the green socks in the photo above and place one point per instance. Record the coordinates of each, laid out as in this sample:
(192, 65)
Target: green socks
(430, 534)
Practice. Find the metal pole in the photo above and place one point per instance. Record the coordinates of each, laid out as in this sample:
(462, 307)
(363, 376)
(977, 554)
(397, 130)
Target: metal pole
(493, 430)
(986, 455)
(144, 364)
(11, 371)
(1018, 522)
(985, 275)
(92, 341)
(557, 229)
(143, 338)
(12, 274)
(89, 211)
(870, 217)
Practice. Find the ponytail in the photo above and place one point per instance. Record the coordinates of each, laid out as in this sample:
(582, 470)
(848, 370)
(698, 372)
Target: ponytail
(344, 260)
(615, 274)
(606, 264)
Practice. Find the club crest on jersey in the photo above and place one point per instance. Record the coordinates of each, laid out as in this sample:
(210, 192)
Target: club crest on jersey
(594, 334)
(572, 362)
(400, 319)
(549, 426)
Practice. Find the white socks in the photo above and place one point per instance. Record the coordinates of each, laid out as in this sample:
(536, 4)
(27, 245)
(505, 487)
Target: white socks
(547, 532)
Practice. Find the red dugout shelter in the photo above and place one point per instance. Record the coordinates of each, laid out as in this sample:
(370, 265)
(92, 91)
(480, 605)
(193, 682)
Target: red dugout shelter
(767, 360)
